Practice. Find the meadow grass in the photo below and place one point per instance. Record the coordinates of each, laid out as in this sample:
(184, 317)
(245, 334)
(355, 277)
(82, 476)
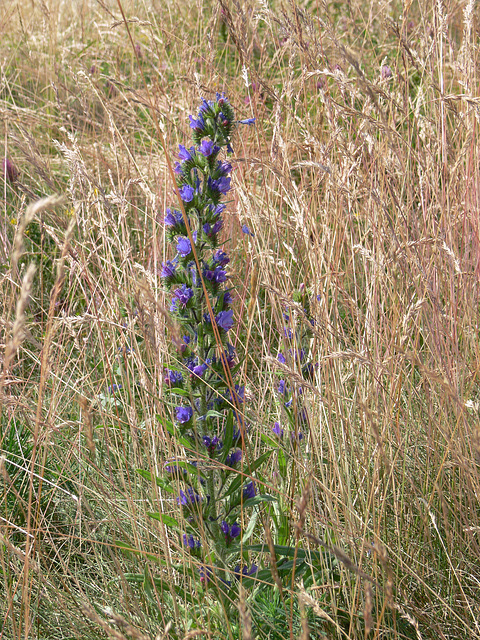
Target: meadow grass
(360, 185)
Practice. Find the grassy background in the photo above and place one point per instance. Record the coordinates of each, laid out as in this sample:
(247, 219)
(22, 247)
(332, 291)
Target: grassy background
(361, 183)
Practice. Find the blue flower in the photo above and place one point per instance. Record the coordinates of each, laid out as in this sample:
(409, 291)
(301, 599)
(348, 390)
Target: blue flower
(220, 184)
(298, 436)
(173, 377)
(189, 498)
(247, 231)
(172, 218)
(186, 154)
(281, 358)
(184, 247)
(207, 147)
(224, 167)
(198, 125)
(227, 298)
(247, 121)
(189, 541)
(212, 443)
(282, 387)
(249, 491)
(184, 414)
(187, 192)
(277, 430)
(168, 269)
(221, 258)
(230, 531)
(199, 369)
(245, 570)
(219, 275)
(233, 458)
(206, 575)
(183, 294)
(225, 320)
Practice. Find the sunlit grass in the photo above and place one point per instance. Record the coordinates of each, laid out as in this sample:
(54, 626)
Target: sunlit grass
(360, 186)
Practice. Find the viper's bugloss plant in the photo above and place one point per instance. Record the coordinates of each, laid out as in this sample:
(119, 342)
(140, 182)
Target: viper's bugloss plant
(207, 402)
(217, 487)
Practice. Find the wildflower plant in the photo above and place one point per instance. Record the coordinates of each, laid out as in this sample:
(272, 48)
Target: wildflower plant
(207, 402)
(216, 486)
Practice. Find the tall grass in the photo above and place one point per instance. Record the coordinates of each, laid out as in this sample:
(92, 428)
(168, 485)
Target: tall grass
(360, 183)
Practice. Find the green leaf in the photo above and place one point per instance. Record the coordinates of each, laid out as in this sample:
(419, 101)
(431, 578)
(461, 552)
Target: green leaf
(251, 502)
(162, 517)
(214, 414)
(282, 464)
(180, 392)
(228, 440)
(269, 441)
(173, 431)
(160, 482)
(251, 526)
(247, 469)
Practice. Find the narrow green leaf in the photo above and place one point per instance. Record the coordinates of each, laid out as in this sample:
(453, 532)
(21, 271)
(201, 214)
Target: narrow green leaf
(162, 517)
(160, 482)
(251, 502)
(240, 477)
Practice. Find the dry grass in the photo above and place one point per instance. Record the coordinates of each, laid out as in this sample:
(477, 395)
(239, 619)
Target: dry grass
(361, 182)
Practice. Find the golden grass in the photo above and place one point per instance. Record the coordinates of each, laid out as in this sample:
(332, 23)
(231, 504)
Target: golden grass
(359, 184)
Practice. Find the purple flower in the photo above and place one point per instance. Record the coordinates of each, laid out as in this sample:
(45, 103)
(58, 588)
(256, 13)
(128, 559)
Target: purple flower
(189, 498)
(233, 458)
(298, 436)
(245, 570)
(168, 269)
(221, 258)
(247, 121)
(230, 531)
(183, 294)
(218, 210)
(172, 377)
(227, 298)
(277, 430)
(184, 247)
(282, 387)
(191, 542)
(206, 573)
(212, 443)
(187, 192)
(185, 154)
(184, 414)
(218, 226)
(225, 320)
(247, 231)
(207, 147)
(281, 358)
(224, 167)
(175, 469)
(198, 125)
(199, 369)
(219, 275)
(220, 184)
(172, 218)
(386, 72)
(249, 491)
(238, 394)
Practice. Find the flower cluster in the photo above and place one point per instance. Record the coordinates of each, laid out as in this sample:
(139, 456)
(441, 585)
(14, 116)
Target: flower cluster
(207, 403)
